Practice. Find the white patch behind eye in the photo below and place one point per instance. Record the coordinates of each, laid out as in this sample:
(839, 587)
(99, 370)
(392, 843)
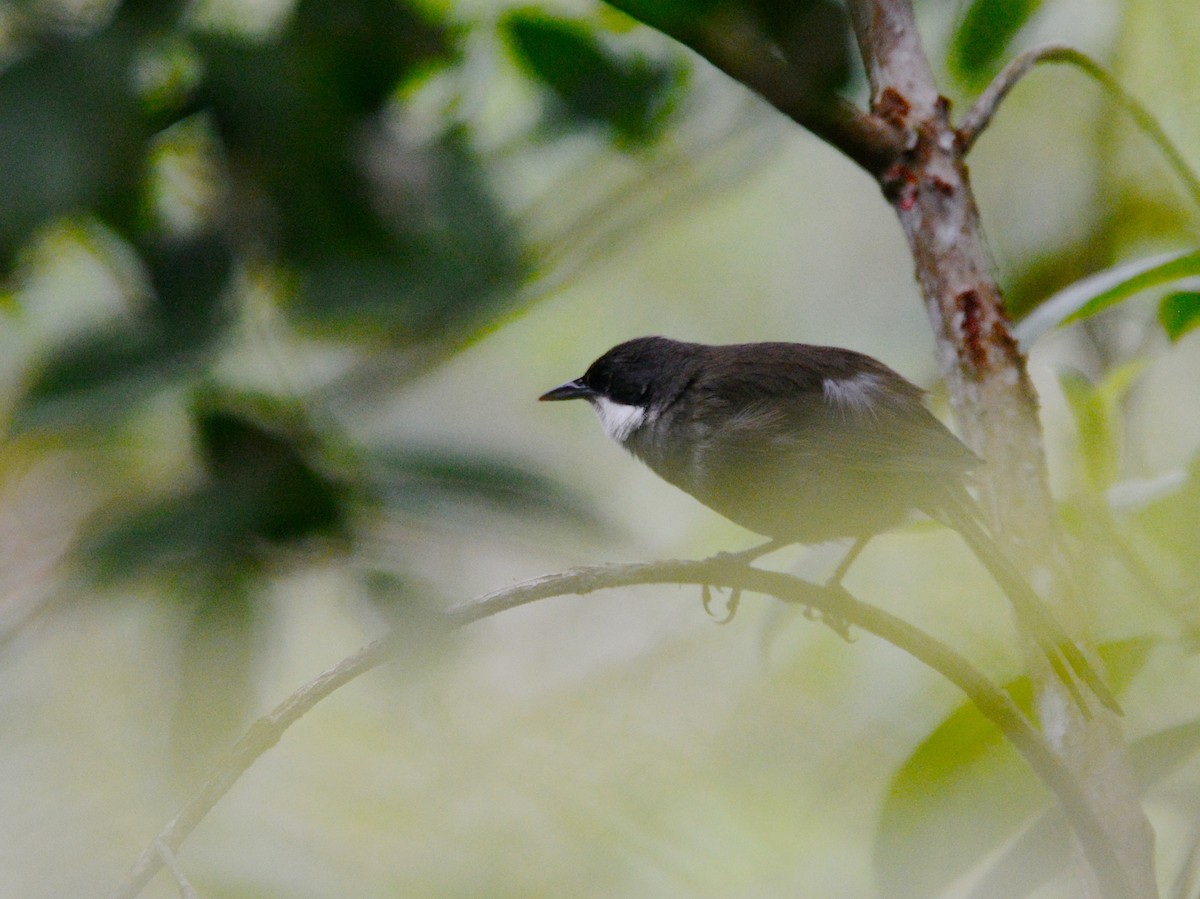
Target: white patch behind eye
(618, 419)
(855, 394)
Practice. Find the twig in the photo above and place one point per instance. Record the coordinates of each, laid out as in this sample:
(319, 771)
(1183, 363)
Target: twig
(832, 604)
(262, 735)
(980, 114)
(186, 890)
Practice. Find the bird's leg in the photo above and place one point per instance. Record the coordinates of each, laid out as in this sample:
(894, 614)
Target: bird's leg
(860, 543)
(745, 557)
(731, 605)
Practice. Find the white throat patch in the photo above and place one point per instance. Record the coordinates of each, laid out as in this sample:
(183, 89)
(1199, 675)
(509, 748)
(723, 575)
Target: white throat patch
(618, 419)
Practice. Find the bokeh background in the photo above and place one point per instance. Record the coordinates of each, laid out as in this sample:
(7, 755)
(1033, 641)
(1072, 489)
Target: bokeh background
(282, 282)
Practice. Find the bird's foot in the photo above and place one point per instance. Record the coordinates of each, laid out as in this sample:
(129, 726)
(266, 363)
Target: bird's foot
(731, 604)
(836, 622)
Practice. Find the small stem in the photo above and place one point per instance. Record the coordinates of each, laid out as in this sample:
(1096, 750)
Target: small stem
(186, 891)
(980, 114)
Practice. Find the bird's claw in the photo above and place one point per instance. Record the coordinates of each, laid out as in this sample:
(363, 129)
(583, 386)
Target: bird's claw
(731, 605)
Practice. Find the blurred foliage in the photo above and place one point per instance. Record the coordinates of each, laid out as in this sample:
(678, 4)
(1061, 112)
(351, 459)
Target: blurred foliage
(329, 188)
(984, 33)
(206, 158)
(964, 791)
(216, 178)
(813, 36)
(631, 95)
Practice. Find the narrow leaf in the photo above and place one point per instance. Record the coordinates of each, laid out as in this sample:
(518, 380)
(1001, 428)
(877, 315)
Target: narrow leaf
(1097, 292)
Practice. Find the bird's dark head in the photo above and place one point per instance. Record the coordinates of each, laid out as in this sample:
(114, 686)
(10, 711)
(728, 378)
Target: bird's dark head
(630, 382)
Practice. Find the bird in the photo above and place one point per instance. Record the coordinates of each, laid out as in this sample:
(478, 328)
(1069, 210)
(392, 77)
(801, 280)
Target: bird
(805, 444)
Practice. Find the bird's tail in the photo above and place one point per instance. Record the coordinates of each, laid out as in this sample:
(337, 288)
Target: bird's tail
(1064, 654)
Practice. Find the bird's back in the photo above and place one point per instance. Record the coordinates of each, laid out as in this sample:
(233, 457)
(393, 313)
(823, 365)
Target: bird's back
(804, 443)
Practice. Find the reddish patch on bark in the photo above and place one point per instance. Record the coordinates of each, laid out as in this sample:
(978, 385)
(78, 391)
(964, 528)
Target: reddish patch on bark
(1002, 338)
(893, 108)
(941, 185)
(942, 107)
(899, 185)
(973, 344)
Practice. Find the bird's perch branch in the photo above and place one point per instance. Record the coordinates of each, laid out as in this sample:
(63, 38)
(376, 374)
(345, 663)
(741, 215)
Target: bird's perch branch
(832, 604)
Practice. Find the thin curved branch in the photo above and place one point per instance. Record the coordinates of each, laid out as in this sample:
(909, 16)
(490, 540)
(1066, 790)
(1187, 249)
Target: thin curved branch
(833, 605)
(262, 735)
(980, 114)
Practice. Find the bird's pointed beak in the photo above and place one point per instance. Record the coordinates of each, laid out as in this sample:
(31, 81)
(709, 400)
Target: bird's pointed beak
(572, 390)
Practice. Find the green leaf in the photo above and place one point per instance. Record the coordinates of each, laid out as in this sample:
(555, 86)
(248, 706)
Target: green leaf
(815, 37)
(442, 265)
(984, 34)
(102, 376)
(1172, 520)
(965, 790)
(1039, 852)
(216, 684)
(71, 135)
(262, 483)
(1097, 410)
(444, 483)
(1179, 313)
(676, 18)
(1097, 292)
(628, 92)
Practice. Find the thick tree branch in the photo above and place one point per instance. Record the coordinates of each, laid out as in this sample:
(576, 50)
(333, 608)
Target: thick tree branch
(993, 399)
(732, 38)
(733, 44)
(833, 605)
(980, 114)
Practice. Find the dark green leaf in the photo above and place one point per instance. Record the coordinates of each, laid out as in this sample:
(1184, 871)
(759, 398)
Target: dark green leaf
(815, 37)
(71, 136)
(629, 93)
(101, 377)
(264, 470)
(262, 483)
(984, 34)
(442, 483)
(447, 260)
(1179, 312)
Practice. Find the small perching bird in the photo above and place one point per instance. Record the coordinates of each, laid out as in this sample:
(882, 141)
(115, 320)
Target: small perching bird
(804, 444)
